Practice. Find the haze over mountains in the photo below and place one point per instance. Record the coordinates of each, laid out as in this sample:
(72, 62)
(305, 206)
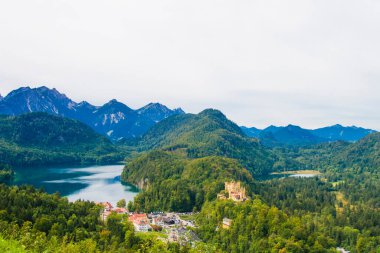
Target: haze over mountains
(114, 119)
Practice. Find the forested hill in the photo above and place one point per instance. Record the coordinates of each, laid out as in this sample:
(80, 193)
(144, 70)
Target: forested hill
(43, 139)
(339, 155)
(173, 183)
(205, 134)
(364, 153)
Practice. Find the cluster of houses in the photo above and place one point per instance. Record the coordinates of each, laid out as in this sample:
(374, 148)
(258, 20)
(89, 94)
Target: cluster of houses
(108, 209)
(171, 223)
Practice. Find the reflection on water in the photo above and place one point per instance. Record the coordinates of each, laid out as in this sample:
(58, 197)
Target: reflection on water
(96, 183)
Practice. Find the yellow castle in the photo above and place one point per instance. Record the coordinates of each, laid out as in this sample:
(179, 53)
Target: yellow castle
(235, 192)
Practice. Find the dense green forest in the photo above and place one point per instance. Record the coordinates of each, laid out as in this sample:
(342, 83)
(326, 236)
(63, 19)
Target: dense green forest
(33, 221)
(173, 183)
(42, 139)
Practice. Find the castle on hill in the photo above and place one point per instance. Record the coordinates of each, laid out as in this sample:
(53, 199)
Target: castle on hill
(233, 191)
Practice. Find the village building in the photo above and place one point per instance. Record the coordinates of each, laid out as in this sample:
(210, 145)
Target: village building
(106, 205)
(120, 210)
(106, 210)
(140, 222)
(158, 221)
(104, 215)
(226, 223)
(342, 250)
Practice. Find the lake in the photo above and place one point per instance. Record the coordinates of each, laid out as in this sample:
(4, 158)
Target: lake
(296, 174)
(95, 183)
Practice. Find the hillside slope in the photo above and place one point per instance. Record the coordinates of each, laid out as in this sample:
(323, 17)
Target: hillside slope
(42, 139)
(206, 134)
(171, 182)
(364, 153)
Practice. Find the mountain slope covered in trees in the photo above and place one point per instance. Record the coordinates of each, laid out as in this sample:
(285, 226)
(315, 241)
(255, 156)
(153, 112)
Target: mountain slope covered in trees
(208, 133)
(364, 153)
(171, 182)
(43, 139)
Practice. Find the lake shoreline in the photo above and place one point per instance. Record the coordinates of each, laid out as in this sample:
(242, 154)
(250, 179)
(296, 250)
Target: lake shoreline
(99, 183)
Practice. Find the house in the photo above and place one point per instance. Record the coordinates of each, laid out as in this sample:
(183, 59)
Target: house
(106, 205)
(121, 210)
(104, 215)
(169, 221)
(140, 222)
(158, 221)
(341, 250)
(226, 223)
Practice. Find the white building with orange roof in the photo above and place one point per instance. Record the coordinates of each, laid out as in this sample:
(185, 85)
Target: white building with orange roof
(140, 222)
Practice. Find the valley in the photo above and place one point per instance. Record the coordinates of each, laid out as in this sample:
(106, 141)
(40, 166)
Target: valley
(283, 189)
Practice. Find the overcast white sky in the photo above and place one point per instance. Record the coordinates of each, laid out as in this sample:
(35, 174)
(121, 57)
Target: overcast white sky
(310, 63)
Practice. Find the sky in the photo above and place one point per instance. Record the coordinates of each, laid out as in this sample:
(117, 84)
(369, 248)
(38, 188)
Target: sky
(309, 63)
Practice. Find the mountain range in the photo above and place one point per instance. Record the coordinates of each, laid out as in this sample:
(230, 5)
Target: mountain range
(295, 135)
(118, 121)
(114, 119)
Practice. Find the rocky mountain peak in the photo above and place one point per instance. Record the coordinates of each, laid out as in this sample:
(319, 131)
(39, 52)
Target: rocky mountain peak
(113, 117)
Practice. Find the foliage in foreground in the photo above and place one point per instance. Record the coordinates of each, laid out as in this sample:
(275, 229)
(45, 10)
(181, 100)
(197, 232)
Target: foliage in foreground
(38, 222)
(256, 227)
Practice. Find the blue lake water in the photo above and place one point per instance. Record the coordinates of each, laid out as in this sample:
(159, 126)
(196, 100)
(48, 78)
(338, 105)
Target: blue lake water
(95, 183)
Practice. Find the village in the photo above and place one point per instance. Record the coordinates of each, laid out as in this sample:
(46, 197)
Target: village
(179, 227)
(171, 226)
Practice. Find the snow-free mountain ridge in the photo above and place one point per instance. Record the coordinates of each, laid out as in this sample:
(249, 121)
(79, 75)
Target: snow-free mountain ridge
(295, 135)
(114, 119)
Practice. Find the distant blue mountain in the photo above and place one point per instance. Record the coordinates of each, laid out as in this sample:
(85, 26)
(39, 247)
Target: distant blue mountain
(296, 136)
(114, 119)
(339, 132)
(288, 135)
(251, 131)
